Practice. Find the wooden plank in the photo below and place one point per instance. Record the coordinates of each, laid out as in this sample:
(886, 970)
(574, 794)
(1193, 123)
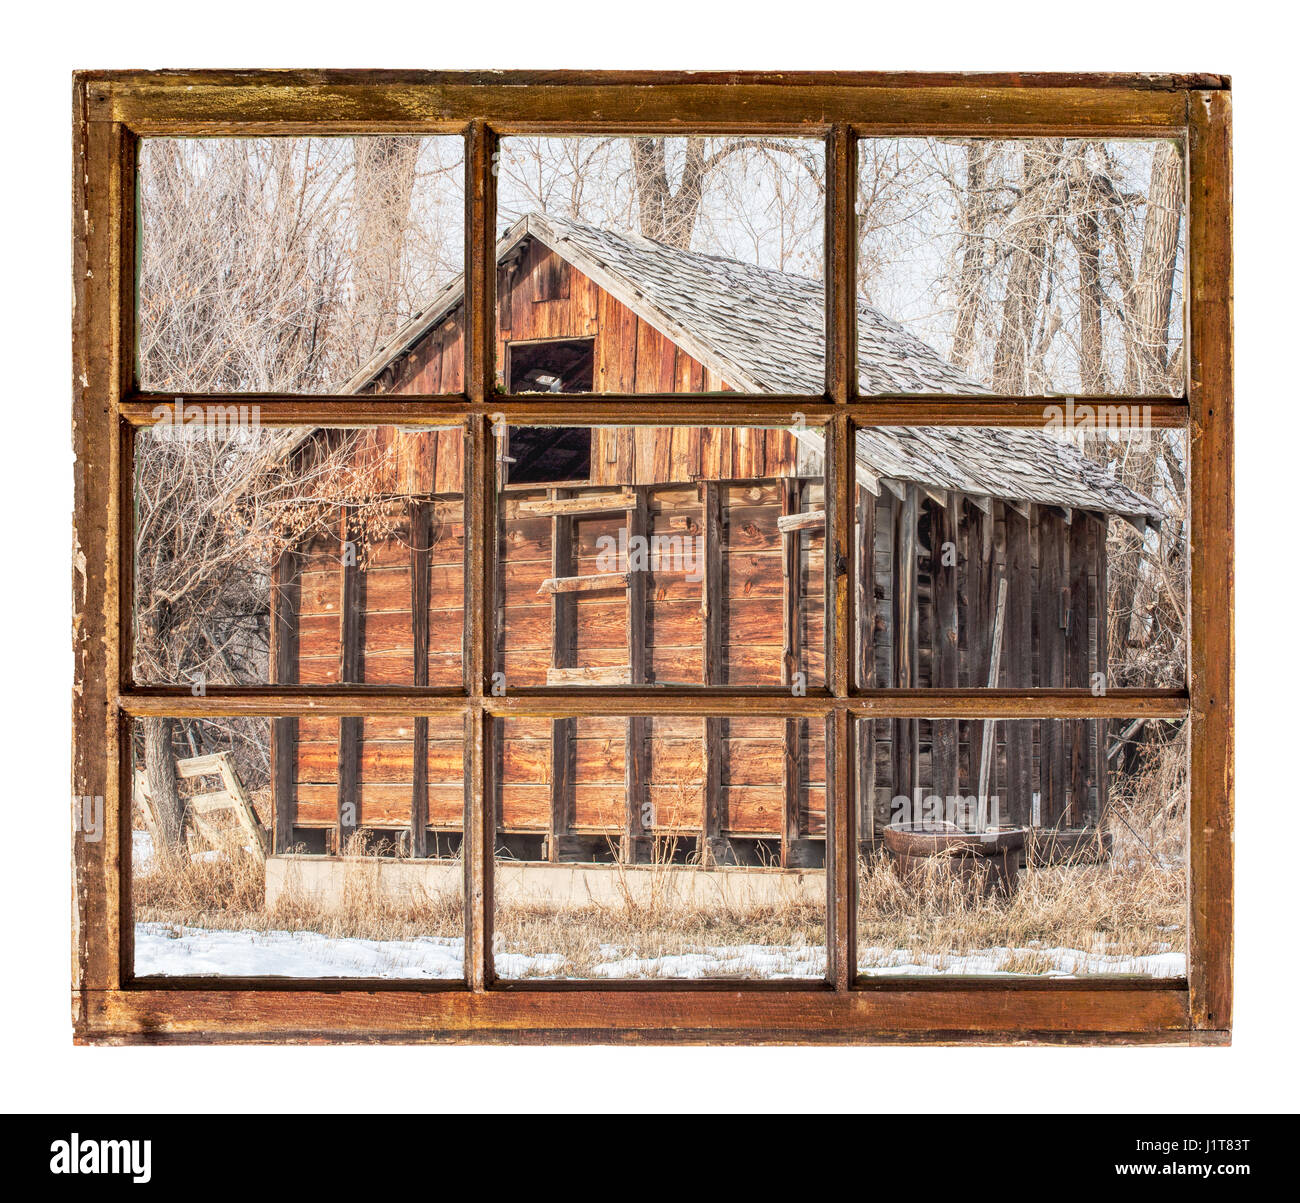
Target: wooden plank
(284, 660)
(1019, 638)
(635, 754)
(563, 652)
(587, 504)
(591, 583)
(906, 620)
(618, 674)
(944, 634)
(791, 663)
(1053, 536)
(988, 754)
(712, 602)
(1211, 613)
(810, 520)
(1101, 771)
(1078, 665)
(421, 538)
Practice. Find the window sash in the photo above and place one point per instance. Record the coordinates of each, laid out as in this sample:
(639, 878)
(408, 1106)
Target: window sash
(113, 110)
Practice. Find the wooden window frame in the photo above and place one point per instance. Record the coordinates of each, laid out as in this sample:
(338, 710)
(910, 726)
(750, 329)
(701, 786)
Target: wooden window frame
(112, 111)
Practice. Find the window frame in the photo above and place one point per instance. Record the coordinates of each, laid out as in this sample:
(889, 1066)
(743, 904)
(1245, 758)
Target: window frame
(112, 111)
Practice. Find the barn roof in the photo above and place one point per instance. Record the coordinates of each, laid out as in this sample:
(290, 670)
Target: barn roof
(764, 331)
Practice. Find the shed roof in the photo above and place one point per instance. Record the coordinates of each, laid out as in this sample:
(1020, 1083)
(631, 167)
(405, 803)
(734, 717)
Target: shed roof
(764, 331)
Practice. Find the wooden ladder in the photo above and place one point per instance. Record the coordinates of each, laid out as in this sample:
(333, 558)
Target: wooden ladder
(200, 808)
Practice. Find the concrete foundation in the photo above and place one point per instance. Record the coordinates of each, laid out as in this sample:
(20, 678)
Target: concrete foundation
(326, 877)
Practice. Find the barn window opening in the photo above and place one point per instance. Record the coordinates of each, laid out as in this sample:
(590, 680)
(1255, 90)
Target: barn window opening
(544, 454)
(561, 365)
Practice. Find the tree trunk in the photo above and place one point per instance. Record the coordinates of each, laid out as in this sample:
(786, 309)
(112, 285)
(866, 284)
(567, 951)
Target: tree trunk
(1030, 227)
(665, 215)
(385, 179)
(1153, 288)
(974, 205)
(160, 780)
(1087, 245)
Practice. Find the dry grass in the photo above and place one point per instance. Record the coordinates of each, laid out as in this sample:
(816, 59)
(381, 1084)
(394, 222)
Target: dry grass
(1131, 904)
(227, 891)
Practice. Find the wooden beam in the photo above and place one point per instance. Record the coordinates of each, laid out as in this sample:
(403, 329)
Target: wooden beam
(352, 615)
(1101, 771)
(591, 583)
(421, 537)
(1078, 664)
(791, 658)
(944, 642)
(635, 764)
(712, 603)
(285, 597)
(1019, 642)
(811, 520)
(1053, 537)
(614, 674)
(577, 506)
(906, 623)
(564, 635)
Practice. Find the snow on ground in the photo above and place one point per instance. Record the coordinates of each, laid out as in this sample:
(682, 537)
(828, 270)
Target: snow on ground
(1065, 962)
(162, 949)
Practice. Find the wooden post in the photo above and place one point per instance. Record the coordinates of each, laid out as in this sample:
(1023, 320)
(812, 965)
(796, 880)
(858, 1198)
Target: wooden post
(943, 628)
(1078, 664)
(988, 746)
(865, 588)
(712, 598)
(1051, 658)
(421, 543)
(1019, 640)
(905, 752)
(285, 597)
(635, 758)
(563, 655)
(1103, 665)
(791, 503)
(352, 609)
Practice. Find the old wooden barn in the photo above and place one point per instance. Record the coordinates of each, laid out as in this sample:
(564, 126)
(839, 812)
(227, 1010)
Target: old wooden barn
(730, 591)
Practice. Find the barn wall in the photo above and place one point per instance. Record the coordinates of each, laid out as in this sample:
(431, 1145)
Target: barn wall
(1061, 594)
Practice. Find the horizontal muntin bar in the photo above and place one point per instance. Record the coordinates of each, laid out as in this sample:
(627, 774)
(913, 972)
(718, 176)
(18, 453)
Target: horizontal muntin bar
(666, 409)
(720, 701)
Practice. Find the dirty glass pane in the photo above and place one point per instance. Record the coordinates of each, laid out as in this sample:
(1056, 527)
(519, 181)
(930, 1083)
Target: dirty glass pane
(311, 556)
(1023, 558)
(293, 264)
(661, 555)
(297, 847)
(660, 847)
(661, 265)
(1038, 847)
(1020, 266)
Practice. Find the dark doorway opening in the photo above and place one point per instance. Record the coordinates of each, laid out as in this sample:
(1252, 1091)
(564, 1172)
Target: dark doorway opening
(562, 365)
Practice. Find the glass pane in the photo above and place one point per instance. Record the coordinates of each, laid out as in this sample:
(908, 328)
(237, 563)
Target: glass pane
(1021, 266)
(1064, 548)
(296, 556)
(1047, 847)
(660, 848)
(661, 555)
(298, 847)
(661, 265)
(294, 264)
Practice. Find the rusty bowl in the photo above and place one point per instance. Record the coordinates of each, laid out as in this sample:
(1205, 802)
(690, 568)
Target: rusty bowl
(992, 859)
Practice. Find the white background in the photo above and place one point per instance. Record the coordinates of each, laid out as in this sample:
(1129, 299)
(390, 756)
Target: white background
(43, 1071)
